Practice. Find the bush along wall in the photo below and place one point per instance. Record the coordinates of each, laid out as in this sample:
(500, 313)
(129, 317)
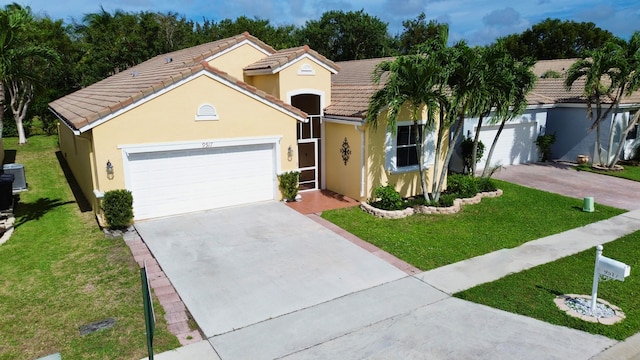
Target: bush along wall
(118, 208)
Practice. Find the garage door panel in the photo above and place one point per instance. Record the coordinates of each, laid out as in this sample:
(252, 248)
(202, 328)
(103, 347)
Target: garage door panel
(173, 182)
(516, 144)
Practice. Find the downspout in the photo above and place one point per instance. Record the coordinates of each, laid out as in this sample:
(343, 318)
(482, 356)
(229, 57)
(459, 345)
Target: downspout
(362, 173)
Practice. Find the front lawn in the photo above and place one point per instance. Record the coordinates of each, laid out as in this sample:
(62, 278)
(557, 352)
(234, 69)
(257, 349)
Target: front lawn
(531, 292)
(58, 272)
(429, 241)
(630, 172)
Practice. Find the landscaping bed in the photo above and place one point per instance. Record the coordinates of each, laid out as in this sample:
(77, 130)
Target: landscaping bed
(520, 215)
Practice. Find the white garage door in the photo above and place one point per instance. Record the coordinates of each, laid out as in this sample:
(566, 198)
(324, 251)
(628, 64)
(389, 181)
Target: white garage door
(181, 181)
(516, 144)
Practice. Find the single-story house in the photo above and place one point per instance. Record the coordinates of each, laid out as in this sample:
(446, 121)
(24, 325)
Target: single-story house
(214, 125)
(551, 109)
(568, 118)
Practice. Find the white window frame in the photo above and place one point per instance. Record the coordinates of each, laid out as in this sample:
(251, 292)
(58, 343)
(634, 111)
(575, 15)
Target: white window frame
(391, 147)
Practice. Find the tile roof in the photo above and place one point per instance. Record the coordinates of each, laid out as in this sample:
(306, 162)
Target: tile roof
(353, 86)
(273, 62)
(120, 90)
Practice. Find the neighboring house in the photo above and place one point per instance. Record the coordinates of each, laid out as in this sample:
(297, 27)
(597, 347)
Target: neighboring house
(200, 128)
(551, 109)
(213, 125)
(569, 120)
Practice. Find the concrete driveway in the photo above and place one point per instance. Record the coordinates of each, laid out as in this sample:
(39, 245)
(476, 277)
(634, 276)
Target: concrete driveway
(238, 266)
(563, 179)
(263, 282)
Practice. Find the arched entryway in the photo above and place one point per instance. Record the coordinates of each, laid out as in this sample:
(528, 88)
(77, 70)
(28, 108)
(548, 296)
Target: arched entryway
(309, 140)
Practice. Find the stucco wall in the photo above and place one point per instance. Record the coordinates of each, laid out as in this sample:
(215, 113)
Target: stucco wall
(78, 152)
(171, 118)
(292, 82)
(343, 178)
(234, 61)
(267, 83)
(573, 136)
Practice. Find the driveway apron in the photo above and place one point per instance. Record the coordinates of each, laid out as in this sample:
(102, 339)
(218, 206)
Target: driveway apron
(565, 180)
(239, 266)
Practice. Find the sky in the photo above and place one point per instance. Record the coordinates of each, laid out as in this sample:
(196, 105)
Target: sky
(477, 22)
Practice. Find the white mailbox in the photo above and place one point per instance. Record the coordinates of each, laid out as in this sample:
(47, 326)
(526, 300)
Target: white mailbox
(613, 269)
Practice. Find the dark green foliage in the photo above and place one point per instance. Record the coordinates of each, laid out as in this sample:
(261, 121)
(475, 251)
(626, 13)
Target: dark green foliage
(556, 39)
(417, 31)
(551, 74)
(462, 185)
(10, 129)
(118, 208)
(544, 143)
(347, 36)
(387, 198)
(467, 153)
(485, 184)
(289, 185)
(446, 200)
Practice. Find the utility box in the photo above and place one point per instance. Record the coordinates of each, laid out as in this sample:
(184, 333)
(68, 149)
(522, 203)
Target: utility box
(19, 180)
(6, 194)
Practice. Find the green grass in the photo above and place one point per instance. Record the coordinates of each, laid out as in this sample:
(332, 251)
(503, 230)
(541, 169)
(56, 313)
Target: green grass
(531, 292)
(429, 241)
(58, 272)
(630, 172)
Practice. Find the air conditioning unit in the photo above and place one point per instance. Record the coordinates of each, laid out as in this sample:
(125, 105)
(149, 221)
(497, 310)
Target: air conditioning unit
(19, 180)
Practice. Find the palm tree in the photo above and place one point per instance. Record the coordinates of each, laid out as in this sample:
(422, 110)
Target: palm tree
(409, 84)
(517, 80)
(600, 70)
(628, 83)
(21, 64)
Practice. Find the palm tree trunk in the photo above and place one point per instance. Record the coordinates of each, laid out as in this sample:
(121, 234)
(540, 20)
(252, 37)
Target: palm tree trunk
(443, 173)
(474, 153)
(487, 165)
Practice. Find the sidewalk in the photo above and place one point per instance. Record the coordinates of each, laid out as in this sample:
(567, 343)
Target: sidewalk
(460, 276)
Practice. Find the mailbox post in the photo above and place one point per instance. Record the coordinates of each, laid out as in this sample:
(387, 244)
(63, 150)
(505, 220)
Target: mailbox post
(610, 269)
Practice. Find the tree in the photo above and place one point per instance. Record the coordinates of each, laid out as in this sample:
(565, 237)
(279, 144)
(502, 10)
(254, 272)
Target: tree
(22, 65)
(417, 31)
(344, 36)
(411, 83)
(601, 71)
(628, 83)
(556, 39)
(510, 100)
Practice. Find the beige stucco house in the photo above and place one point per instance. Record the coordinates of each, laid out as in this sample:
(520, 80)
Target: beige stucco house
(214, 125)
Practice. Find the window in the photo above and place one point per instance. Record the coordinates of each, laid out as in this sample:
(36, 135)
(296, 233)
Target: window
(406, 146)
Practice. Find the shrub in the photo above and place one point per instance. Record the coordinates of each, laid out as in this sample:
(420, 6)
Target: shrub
(446, 200)
(289, 185)
(463, 185)
(118, 208)
(388, 198)
(466, 148)
(544, 143)
(485, 184)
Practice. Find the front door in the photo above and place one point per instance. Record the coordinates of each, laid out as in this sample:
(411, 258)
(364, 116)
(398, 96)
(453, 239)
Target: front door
(309, 144)
(307, 164)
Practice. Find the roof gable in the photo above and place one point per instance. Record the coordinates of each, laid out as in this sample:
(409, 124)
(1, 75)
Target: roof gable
(99, 102)
(282, 59)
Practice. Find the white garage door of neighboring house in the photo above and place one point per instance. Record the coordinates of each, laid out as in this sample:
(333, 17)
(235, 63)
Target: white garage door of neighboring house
(516, 144)
(181, 181)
